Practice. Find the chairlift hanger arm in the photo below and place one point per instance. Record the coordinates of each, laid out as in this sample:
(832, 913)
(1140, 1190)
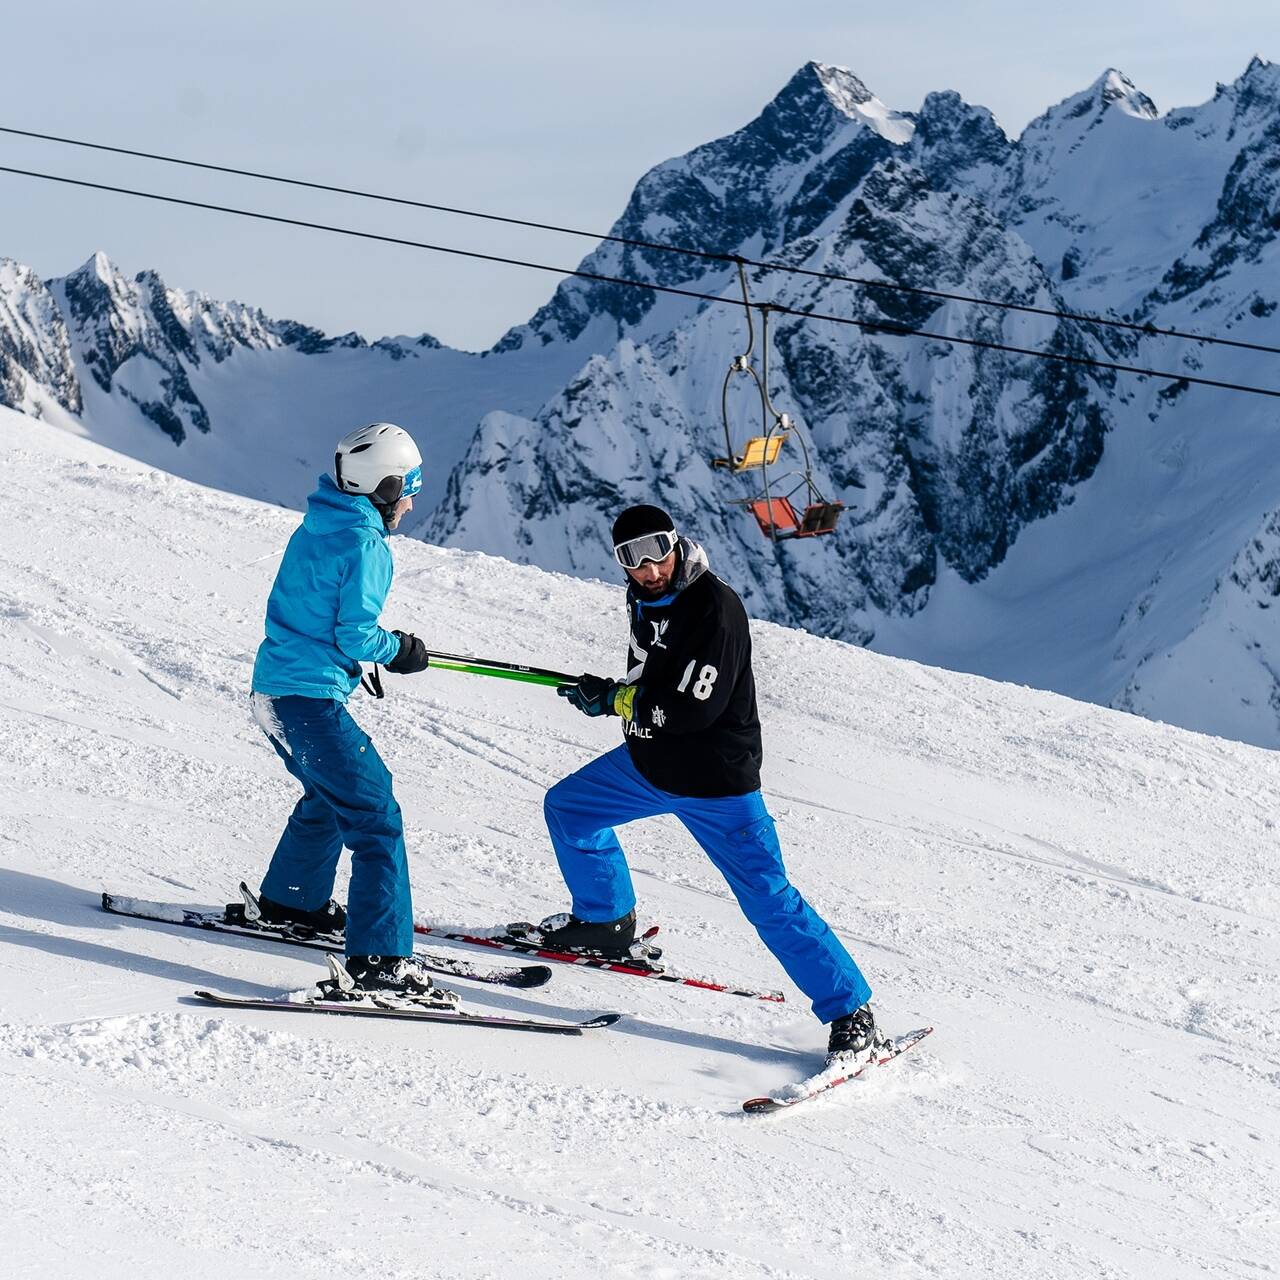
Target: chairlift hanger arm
(733, 461)
(741, 361)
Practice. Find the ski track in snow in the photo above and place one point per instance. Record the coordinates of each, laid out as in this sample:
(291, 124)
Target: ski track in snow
(1084, 905)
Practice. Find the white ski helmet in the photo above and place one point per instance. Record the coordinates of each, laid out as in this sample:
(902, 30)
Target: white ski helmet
(380, 461)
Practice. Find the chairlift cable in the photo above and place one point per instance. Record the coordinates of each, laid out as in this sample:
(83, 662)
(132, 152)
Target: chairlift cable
(1145, 329)
(868, 326)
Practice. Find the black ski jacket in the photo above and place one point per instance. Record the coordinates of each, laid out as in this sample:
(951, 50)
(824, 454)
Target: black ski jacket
(694, 729)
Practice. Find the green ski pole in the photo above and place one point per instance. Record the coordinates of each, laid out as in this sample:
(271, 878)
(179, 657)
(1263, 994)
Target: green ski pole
(499, 670)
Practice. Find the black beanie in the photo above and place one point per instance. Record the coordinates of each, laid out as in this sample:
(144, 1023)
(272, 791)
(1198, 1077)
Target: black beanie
(635, 522)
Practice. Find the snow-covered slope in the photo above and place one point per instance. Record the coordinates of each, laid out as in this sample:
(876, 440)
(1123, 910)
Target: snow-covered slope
(1082, 902)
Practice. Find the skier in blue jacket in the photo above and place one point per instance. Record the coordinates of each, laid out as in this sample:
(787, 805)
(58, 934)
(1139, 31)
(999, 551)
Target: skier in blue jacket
(322, 623)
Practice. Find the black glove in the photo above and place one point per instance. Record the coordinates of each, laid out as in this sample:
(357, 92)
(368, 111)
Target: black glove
(412, 657)
(592, 695)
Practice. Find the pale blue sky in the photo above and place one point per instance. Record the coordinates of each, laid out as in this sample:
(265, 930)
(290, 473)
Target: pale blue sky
(549, 110)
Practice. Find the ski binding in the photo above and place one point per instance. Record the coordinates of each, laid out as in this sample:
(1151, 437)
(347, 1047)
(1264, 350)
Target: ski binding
(636, 965)
(241, 920)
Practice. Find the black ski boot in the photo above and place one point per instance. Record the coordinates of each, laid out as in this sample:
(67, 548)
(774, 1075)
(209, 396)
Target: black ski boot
(852, 1035)
(331, 919)
(611, 939)
(385, 980)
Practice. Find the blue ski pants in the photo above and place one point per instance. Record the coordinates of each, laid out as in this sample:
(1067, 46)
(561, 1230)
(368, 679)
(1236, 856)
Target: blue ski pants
(346, 800)
(735, 832)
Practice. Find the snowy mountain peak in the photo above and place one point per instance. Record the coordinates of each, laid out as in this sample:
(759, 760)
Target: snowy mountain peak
(820, 97)
(775, 178)
(1256, 90)
(35, 351)
(100, 267)
(843, 89)
(97, 283)
(1114, 89)
(1111, 94)
(817, 82)
(960, 146)
(1260, 73)
(141, 340)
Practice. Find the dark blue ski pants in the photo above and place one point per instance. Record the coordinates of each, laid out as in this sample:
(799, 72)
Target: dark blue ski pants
(346, 800)
(735, 832)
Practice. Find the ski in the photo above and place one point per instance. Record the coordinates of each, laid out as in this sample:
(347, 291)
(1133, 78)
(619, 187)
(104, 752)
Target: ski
(214, 919)
(829, 1078)
(458, 1017)
(635, 967)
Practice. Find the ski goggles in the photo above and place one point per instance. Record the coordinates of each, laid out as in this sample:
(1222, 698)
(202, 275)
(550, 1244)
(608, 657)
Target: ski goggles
(652, 546)
(412, 483)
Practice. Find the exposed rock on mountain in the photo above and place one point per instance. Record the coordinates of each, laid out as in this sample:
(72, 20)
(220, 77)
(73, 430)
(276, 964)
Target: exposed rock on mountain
(35, 352)
(804, 151)
(140, 341)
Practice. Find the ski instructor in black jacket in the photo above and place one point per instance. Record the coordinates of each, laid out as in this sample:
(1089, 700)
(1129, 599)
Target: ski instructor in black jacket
(692, 749)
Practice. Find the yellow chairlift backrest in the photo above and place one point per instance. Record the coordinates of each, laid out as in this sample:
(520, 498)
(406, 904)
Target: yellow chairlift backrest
(760, 451)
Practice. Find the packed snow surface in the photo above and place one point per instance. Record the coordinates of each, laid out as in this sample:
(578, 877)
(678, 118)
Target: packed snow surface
(1081, 902)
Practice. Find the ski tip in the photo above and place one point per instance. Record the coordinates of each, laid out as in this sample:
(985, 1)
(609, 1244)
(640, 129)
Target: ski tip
(602, 1020)
(761, 1106)
(533, 975)
(107, 901)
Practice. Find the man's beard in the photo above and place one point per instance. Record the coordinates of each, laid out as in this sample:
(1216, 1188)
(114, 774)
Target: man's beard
(658, 589)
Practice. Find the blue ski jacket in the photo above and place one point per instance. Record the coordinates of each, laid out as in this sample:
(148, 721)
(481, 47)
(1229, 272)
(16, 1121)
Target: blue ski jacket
(322, 614)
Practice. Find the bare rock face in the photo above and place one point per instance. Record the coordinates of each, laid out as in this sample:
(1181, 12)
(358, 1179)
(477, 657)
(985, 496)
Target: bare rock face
(942, 452)
(140, 340)
(35, 350)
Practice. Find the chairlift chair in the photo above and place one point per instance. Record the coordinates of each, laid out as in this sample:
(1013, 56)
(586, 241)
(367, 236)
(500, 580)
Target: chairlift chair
(759, 451)
(778, 518)
(819, 518)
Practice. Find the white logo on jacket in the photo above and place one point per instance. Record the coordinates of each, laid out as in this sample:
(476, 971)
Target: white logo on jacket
(637, 668)
(659, 630)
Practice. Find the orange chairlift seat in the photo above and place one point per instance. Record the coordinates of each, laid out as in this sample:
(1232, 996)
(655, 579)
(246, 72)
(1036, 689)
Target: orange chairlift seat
(779, 519)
